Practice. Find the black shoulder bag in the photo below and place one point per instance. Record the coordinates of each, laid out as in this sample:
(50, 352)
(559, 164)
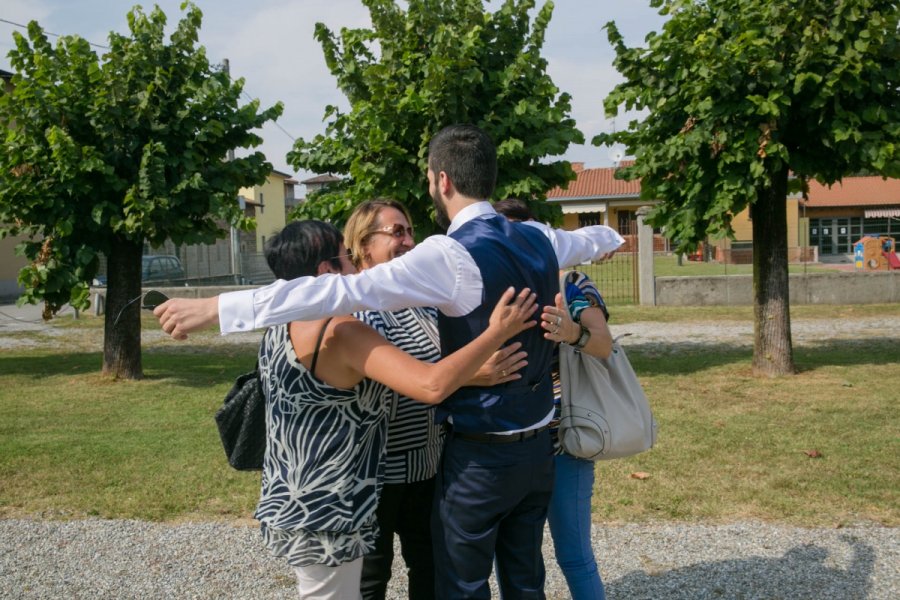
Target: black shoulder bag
(242, 418)
(242, 422)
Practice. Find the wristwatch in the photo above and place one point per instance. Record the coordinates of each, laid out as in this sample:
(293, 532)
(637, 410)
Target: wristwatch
(583, 339)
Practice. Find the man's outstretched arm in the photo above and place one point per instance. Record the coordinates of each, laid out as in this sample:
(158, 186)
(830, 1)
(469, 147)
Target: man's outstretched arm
(438, 272)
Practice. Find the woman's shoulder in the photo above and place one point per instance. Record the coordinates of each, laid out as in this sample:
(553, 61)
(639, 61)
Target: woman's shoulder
(350, 329)
(580, 288)
(577, 283)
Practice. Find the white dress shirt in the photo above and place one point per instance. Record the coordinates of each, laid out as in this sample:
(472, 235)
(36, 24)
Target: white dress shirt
(438, 272)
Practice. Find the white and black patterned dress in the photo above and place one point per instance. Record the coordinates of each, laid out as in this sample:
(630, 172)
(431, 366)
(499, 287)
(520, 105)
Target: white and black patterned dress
(324, 460)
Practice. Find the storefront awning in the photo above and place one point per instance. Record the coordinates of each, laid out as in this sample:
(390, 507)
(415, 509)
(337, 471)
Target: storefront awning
(586, 207)
(881, 213)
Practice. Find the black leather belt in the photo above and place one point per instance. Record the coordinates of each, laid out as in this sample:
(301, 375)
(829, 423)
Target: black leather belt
(498, 438)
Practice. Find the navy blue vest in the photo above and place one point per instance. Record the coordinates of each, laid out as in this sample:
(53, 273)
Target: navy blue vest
(507, 254)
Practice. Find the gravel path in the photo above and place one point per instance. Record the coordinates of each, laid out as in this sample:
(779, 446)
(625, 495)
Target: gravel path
(26, 320)
(128, 559)
(99, 559)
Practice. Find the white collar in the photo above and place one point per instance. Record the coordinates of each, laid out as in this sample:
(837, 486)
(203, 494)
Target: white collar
(472, 211)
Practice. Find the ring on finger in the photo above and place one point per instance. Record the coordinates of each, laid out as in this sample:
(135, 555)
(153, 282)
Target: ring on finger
(558, 321)
(503, 372)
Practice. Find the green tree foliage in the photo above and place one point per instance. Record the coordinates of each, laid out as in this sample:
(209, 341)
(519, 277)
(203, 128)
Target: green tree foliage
(739, 95)
(417, 70)
(102, 155)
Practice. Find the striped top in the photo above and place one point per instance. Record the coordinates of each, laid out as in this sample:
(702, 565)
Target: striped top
(414, 440)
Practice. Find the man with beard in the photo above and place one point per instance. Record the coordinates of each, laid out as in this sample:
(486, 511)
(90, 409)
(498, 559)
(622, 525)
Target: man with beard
(497, 472)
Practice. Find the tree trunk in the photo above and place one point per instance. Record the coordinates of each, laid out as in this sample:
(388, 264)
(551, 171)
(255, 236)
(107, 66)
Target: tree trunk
(122, 324)
(773, 352)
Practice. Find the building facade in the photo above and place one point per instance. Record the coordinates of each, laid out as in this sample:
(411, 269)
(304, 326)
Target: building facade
(268, 204)
(826, 223)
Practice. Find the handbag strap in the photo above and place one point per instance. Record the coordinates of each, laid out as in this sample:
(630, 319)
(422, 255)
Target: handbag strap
(315, 359)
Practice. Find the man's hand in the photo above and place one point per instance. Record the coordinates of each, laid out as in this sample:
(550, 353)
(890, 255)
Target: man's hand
(606, 256)
(180, 316)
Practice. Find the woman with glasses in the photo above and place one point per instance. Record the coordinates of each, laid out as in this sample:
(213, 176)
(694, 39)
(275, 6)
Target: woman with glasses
(327, 385)
(377, 232)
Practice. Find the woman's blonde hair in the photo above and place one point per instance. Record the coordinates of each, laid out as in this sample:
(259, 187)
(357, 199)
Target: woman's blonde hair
(361, 225)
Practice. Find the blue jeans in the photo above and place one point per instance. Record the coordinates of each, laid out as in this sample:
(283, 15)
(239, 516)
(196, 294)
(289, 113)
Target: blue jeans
(570, 525)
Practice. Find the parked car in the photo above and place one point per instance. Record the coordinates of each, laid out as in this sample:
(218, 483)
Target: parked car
(161, 268)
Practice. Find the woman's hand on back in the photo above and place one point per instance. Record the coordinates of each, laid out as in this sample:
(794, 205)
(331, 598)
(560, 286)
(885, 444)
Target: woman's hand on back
(513, 313)
(501, 367)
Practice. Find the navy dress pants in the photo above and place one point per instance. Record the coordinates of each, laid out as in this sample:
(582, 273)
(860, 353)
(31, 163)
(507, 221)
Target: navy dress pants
(491, 500)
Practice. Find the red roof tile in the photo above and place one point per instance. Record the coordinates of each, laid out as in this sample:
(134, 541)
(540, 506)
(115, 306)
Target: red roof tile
(855, 191)
(596, 183)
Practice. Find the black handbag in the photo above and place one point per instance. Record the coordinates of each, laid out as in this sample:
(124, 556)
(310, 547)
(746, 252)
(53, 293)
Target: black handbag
(242, 423)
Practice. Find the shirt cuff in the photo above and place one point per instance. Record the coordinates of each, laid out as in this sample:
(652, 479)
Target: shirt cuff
(236, 312)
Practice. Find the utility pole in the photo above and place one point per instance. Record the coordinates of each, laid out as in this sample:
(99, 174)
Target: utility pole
(236, 269)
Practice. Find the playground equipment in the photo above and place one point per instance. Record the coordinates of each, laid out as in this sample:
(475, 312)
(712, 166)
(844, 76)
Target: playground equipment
(876, 254)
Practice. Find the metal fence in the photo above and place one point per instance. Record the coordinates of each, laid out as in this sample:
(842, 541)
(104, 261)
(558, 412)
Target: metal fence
(255, 270)
(617, 278)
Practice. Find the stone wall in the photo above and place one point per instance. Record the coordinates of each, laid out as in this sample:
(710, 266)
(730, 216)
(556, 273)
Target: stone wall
(811, 288)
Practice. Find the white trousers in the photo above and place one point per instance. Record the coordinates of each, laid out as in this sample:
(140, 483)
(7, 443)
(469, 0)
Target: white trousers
(318, 582)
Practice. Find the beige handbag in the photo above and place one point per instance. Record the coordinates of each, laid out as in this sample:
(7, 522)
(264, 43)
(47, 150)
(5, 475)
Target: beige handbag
(604, 412)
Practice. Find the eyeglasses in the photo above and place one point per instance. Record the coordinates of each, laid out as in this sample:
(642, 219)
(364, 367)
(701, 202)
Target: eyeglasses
(396, 230)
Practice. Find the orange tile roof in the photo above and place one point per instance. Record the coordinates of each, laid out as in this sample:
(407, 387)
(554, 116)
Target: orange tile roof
(852, 191)
(596, 183)
(855, 191)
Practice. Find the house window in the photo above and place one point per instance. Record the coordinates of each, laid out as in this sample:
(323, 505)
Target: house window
(627, 220)
(262, 204)
(835, 235)
(878, 227)
(594, 218)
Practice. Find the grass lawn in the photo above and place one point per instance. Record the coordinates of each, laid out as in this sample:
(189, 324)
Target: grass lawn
(731, 446)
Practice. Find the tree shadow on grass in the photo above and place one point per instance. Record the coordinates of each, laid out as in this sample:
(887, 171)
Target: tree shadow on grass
(802, 572)
(193, 367)
(682, 358)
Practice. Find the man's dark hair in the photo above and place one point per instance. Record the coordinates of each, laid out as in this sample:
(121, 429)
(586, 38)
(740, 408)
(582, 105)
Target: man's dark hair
(469, 158)
(297, 250)
(514, 209)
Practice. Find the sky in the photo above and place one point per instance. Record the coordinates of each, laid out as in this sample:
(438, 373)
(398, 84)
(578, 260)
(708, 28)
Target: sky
(270, 44)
